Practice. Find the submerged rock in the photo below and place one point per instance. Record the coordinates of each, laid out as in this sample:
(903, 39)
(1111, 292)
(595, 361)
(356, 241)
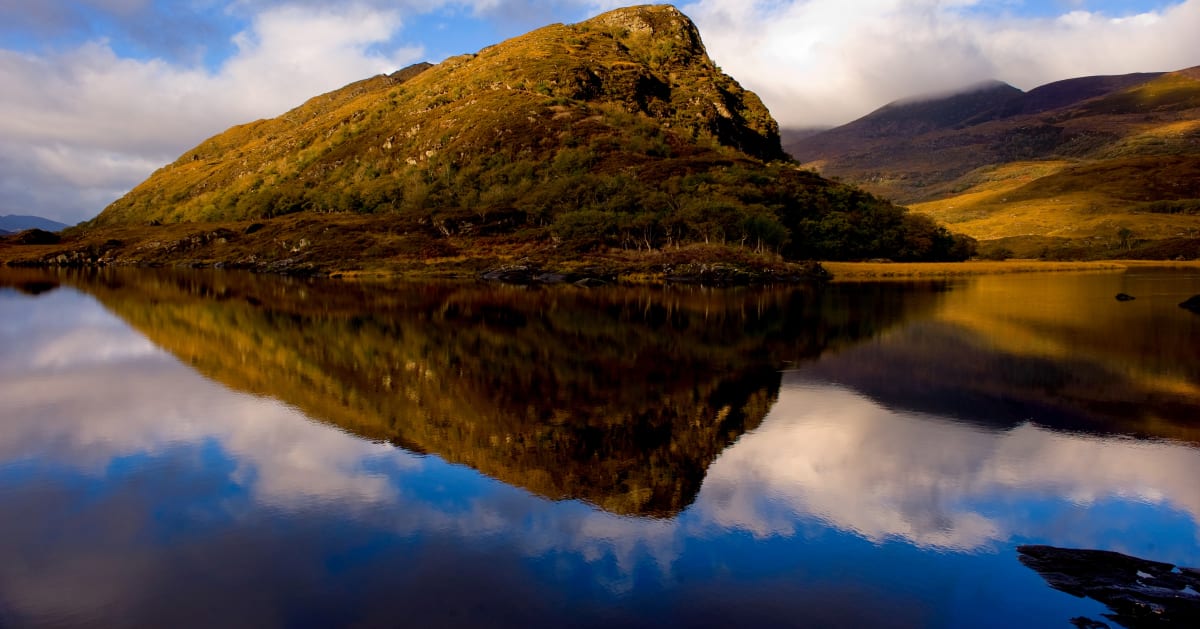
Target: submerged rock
(1125, 297)
(1192, 303)
(1140, 592)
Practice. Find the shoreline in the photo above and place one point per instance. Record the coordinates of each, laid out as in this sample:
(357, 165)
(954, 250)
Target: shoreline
(364, 248)
(883, 271)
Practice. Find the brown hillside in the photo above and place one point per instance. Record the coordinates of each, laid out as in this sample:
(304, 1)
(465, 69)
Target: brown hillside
(1095, 160)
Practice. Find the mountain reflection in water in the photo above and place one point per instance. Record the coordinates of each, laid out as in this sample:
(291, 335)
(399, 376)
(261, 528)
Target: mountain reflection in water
(852, 455)
(618, 397)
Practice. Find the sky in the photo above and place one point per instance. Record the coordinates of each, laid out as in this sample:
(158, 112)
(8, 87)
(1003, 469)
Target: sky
(97, 94)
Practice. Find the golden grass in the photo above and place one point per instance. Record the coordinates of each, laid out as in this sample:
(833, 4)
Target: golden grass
(871, 271)
(1069, 199)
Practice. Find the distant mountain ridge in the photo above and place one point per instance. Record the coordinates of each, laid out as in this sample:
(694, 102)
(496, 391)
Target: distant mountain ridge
(1086, 166)
(15, 223)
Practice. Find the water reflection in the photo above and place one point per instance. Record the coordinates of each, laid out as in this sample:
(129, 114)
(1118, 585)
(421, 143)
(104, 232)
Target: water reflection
(883, 478)
(621, 398)
(1058, 351)
(830, 453)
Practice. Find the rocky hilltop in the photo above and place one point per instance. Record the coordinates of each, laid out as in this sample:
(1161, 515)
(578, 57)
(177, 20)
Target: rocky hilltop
(1102, 166)
(622, 88)
(615, 134)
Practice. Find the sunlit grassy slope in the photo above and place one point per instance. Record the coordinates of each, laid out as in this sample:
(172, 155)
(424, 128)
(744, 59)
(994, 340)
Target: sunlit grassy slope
(1102, 173)
(1077, 199)
(477, 132)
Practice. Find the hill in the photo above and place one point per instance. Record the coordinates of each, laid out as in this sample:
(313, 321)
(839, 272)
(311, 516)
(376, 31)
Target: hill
(617, 133)
(1088, 167)
(14, 223)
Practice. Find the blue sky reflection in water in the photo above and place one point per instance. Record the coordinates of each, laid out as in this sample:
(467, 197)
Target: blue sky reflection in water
(135, 492)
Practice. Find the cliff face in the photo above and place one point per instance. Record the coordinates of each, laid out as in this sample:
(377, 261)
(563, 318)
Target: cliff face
(627, 87)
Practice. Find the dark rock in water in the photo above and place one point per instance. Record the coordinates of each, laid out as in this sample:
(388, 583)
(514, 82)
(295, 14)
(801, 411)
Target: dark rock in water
(590, 282)
(36, 237)
(1125, 297)
(1192, 303)
(517, 274)
(37, 287)
(1140, 592)
(1088, 623)
(529, 275)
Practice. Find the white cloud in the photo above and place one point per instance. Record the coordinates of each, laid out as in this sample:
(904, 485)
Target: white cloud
(823, 62)
(83, 126)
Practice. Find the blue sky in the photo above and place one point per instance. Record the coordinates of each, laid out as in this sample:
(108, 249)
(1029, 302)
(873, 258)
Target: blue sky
(96, 94)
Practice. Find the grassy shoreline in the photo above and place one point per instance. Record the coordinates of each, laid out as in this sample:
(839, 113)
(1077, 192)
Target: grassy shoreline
(874, 271)
(366, 247)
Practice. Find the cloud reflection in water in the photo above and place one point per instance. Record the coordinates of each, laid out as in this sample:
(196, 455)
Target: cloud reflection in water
(829, 453)
(130, 479)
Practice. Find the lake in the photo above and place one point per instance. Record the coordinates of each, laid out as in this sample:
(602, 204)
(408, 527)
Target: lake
(220, 449)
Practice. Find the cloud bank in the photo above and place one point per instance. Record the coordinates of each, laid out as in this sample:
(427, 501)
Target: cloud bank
(80, 127)
(98, 93)
(827, 62)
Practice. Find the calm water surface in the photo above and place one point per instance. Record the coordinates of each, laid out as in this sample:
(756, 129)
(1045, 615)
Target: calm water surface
(225, 450)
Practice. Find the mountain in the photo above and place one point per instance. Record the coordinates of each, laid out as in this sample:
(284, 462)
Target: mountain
(14, 223)
(1093, 166)
(615, 134)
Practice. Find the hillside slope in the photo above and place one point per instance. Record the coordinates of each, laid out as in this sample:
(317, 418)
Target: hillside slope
(1094, 166)
(616, 133)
